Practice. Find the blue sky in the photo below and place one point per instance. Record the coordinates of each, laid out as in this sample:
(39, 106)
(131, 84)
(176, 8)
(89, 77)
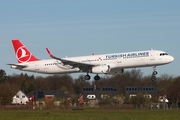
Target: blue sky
(81, 27)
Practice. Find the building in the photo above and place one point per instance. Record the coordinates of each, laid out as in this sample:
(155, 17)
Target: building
(42, 94)
(147, 91)
(20, 98)
(102, 92)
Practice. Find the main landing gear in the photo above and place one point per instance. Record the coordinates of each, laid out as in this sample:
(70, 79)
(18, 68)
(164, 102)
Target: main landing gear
(96, 77)
(88, 77)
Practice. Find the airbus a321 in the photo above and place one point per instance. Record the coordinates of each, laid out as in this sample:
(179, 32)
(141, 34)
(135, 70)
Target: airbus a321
(98, 64)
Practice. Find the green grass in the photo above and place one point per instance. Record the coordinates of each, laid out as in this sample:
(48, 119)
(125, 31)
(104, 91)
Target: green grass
(90, 114)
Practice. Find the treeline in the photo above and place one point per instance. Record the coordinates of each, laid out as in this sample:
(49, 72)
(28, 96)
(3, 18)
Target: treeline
(10, 85)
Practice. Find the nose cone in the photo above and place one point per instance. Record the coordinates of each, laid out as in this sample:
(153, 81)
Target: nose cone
(171, 59)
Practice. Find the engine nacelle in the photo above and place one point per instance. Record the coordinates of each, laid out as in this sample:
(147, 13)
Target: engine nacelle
(101, 69)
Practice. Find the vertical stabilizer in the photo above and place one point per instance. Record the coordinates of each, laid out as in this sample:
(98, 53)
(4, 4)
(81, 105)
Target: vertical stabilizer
(22, 53)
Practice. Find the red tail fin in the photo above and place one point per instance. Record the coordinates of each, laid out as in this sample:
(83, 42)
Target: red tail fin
(22, 53)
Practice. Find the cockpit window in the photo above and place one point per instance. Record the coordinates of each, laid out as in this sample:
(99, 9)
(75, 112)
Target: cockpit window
(162, 54)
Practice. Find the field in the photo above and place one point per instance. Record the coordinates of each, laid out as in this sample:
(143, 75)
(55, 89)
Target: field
(90, 114)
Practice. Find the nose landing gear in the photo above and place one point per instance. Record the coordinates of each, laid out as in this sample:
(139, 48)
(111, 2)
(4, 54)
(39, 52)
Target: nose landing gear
(154, 72)
(153, 76)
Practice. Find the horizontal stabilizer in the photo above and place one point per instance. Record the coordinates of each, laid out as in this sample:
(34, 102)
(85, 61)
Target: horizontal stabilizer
(17, 66)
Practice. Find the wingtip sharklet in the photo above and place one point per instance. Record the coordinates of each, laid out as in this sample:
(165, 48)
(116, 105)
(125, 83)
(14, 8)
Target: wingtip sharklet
(50, 54)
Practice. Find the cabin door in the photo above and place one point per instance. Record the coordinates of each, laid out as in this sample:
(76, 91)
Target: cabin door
(152, 55)
(36, 66)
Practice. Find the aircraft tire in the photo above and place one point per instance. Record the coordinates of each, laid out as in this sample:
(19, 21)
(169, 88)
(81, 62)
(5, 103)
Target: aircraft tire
(155, 72)
(96, 77)
(87, 77)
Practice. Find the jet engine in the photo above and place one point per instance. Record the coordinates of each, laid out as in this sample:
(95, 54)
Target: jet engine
(101, 69)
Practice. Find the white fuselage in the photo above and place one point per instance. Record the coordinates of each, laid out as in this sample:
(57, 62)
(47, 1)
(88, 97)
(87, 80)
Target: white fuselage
(116, 61)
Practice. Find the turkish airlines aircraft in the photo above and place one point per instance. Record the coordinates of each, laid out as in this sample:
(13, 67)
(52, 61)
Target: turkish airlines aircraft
(98, 64)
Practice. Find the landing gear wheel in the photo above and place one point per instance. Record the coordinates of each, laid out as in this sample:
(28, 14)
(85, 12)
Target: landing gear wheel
(87, 77)
(155, 72)
(96, 77)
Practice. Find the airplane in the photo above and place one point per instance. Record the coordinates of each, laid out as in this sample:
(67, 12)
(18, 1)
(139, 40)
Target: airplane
(114, 63)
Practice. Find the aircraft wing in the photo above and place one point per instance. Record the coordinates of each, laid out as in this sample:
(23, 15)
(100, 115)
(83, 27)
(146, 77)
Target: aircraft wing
(83, 66)
(17, 65)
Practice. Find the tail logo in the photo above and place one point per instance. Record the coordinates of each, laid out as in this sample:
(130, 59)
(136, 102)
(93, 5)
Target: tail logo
(22, 54)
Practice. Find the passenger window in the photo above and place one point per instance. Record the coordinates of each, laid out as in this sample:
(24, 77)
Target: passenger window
(162, 54)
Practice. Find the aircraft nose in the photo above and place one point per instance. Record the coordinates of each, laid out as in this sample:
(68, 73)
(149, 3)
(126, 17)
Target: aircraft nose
(171, 58)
